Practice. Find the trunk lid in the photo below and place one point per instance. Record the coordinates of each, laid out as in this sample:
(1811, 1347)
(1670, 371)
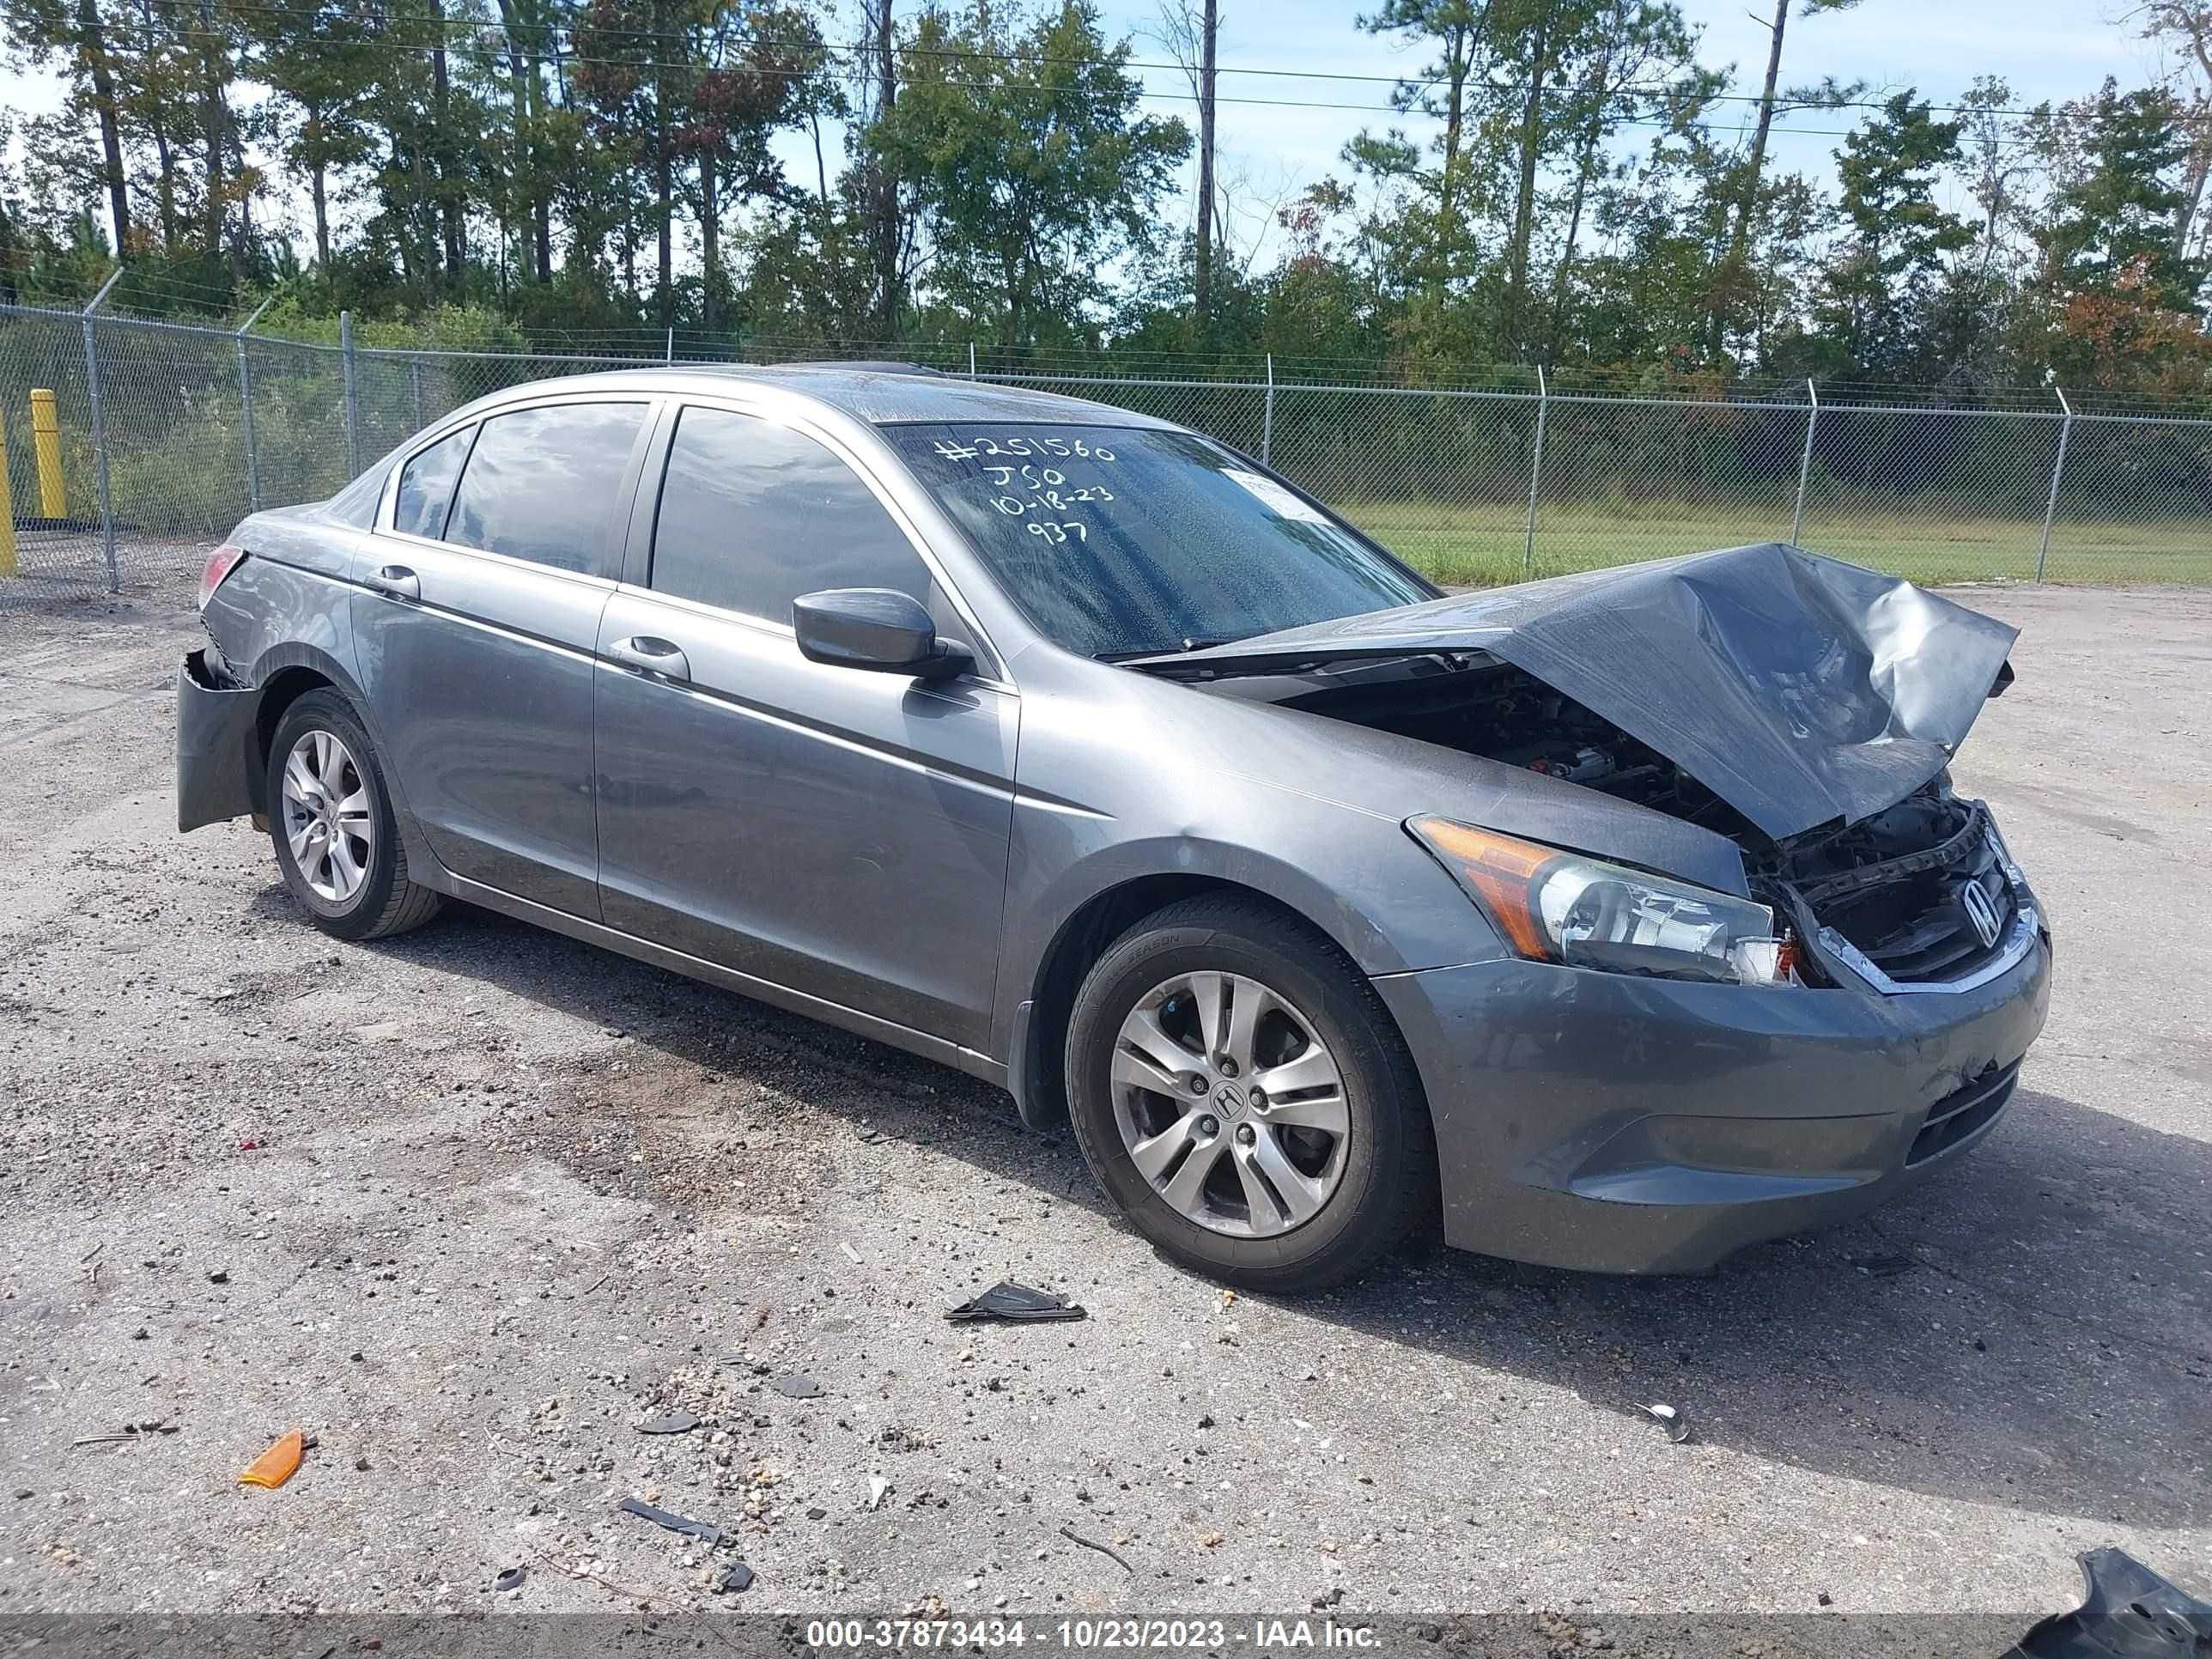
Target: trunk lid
(1799, 688)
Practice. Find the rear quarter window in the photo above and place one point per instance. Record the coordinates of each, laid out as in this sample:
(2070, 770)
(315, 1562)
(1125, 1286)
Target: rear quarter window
(355, 504)
(426, 486)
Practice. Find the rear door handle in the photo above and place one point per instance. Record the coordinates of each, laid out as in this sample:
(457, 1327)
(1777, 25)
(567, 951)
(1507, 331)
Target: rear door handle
(396, 581)
(653, 655)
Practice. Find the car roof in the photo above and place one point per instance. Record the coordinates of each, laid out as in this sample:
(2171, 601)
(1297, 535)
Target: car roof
(880, 394)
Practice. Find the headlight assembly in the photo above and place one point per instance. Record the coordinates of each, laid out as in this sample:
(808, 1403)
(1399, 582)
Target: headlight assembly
(1552, 906)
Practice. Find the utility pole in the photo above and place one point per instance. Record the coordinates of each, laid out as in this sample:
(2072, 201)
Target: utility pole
(1730, 274)
(1203, 287)
(883, 209)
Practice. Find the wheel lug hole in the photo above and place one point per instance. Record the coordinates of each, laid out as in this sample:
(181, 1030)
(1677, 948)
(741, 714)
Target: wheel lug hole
(1207, 1126)
(1197, 1084)
(1258, 1099)
(1245, 1136)
(1225, 1065)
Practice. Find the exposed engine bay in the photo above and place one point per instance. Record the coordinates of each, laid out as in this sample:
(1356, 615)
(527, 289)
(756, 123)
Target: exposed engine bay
(1894, 885)
(1497, 711)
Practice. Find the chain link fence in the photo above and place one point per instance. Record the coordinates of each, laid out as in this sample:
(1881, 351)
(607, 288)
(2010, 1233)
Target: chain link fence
(131, 446)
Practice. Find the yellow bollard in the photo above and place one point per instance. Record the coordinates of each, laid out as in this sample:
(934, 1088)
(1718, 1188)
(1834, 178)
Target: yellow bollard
(7, 506)
(46, 440)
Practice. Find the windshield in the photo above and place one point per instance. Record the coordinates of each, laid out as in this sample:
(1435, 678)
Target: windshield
(1124, 541)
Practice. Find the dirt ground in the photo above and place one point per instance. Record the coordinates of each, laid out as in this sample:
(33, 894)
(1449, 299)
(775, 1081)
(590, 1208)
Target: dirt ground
(473, 1205)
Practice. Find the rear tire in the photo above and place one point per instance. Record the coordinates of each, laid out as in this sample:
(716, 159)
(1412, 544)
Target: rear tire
(330, 817)
(1289, 1192)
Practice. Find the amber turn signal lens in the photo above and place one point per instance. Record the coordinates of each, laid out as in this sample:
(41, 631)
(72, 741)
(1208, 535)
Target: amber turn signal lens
(1500, 869)
(276, 1465)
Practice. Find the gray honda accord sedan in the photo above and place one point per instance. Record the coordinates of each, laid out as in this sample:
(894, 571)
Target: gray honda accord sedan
(1614, 922)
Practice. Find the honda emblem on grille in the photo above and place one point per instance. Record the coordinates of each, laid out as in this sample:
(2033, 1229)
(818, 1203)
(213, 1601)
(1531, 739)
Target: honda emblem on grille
(1982, 912)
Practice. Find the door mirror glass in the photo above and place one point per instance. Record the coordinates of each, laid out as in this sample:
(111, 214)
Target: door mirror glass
(877, 627)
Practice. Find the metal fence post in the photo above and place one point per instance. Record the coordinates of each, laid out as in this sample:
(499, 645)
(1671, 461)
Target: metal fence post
(352, 401)
(971, 360)
(1536, 472)
(245, 407)
(415, 384)
(1268, 419)
(670, 357)
(2057, 472)
(1805, 464)
(100, 432)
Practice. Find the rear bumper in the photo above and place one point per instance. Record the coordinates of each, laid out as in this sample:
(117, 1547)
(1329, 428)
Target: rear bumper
(1622, 1125)
(218, 750)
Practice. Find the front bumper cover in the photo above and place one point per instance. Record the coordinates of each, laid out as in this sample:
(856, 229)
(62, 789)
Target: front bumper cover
(218, 749)
(1623, 1124)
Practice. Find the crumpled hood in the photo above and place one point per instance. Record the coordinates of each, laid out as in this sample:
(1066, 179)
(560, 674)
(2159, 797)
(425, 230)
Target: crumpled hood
(1798, 688)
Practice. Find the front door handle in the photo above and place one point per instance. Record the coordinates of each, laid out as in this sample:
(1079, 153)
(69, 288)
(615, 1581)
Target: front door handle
(653, 655)
(396, 581)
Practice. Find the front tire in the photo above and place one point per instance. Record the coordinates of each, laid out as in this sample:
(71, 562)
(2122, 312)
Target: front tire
(330, 816)
(1177, 1028)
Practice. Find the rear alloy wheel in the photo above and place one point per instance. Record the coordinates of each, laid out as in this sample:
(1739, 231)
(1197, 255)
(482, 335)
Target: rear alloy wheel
(1238, 1087)
(323, 804)
(337, 841)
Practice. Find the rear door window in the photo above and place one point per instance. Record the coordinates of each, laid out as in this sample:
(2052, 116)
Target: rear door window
(543, 484)
(426, 486)
(753, 514)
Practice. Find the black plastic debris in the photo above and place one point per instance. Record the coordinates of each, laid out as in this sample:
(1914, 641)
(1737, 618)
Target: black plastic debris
(1017, 1304)
(1884, 1267)
(511, 1579)
(797, 1384)
(706, 1531)
(735, 1576)
(1106, 1550)
(1676, 1424)
(139, 1432)
(2129, 1613)
(673, 1423)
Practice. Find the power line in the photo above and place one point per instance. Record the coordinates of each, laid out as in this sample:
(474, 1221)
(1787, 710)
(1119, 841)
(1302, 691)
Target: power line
(568, 59)
(975, 55)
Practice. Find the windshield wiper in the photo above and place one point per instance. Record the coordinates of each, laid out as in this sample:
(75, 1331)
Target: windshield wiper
(1192, 644)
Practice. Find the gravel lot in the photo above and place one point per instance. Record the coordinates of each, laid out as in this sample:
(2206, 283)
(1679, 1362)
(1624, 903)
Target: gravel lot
(472, 1205)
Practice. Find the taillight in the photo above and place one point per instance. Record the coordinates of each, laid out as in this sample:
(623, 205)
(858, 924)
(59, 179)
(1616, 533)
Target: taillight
(221, 563)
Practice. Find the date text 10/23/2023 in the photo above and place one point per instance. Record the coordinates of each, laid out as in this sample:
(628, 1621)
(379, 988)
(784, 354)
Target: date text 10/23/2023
(1256, 1635)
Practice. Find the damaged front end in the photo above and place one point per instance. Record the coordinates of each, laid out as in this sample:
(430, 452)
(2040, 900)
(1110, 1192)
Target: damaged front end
(1923, 897)
(1804, 709)
(1705, 807)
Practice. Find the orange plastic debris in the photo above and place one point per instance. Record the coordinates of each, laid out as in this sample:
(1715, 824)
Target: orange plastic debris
(276, 1465)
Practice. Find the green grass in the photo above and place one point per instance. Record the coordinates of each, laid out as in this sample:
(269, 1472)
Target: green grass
(1482, 545)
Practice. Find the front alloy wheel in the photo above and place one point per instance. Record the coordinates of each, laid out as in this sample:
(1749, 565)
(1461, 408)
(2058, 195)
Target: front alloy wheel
(1230, 1104)
(1239, 1090)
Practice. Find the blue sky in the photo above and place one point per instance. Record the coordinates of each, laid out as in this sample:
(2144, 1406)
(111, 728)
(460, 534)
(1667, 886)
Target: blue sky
(2047, 49)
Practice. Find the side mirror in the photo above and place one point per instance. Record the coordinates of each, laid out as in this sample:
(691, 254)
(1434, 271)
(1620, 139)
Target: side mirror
(876, 627)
